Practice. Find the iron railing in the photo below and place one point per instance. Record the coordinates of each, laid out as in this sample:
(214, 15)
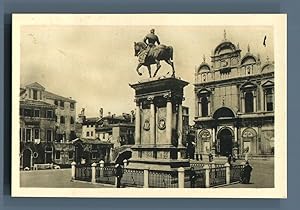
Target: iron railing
(235, 173)
(133, 178)
(105, 175)
(194, 178)
(163, 179)
(83, 173)
(217, 176)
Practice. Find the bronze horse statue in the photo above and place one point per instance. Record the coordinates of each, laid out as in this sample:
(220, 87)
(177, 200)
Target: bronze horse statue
(154, 56)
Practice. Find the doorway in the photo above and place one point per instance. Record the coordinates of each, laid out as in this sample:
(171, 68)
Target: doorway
(27, 158)
(225, 137)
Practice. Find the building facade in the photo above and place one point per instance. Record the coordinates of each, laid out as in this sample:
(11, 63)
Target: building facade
(65, 116)
(40, 128)
(234, 103)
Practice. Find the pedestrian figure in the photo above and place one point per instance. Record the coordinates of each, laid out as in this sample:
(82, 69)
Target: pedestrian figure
(119, 174)
(193, 177)
(246, 173)
(229, 159)
(233, 158)
(210, 157)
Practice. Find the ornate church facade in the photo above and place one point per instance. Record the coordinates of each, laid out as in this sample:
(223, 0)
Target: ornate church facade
(234, 103)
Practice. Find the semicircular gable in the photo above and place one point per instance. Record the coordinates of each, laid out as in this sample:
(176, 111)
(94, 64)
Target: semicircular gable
(203, 67)
(249, 59)
(267, 68)
(224, 47)
(248, 85)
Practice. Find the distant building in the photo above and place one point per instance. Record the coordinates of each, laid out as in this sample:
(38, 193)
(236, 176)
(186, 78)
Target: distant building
(39, 142)
(234, 103)
(111, 130)
(65, 116)
(89, 151)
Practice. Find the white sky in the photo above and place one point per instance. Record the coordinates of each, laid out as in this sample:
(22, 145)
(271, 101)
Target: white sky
(95, 64)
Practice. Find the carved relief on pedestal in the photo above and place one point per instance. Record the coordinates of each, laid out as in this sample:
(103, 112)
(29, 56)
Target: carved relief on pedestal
(146, 125)
(147, 154)
(162, 124)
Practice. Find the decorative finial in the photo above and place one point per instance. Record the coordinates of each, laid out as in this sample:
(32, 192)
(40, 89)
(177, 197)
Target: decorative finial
(258, 57)
(224, 34)
(248, 48)
(238, 46)
(203, 58)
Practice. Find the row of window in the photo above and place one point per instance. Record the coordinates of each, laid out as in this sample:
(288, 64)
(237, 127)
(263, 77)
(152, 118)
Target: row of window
(31, 134)
(58, 154)
(63, 120)
(35, 94)
(88, 133)
(268, 104)
(61, 104)
(35, 113)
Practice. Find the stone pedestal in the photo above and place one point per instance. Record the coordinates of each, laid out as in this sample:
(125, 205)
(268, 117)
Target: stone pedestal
(158, 143)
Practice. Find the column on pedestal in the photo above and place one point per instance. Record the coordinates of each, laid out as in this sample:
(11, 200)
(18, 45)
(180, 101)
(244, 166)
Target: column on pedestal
(152, 121)
(179, 129)
(137, 123)
(169, 120)
(180, 125)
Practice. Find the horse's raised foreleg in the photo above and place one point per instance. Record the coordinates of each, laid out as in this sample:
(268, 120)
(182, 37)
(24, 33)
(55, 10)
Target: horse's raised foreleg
(137, 69)
(149, 70)
(157, 67)
(171, 64)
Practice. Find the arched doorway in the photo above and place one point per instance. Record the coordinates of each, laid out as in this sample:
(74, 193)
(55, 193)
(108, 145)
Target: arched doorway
(48, 154)
(225, 139)
(27, 158)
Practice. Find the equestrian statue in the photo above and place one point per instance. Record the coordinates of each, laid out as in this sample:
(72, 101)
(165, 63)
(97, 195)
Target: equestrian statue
(148, 53)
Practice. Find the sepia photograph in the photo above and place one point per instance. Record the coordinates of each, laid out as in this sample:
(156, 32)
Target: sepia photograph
(132, 105)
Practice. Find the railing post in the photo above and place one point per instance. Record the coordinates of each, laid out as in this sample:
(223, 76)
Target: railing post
(213, 164)
(146, 178)
(206, 167)
(181, 177)
(73, 164)
(94, 172)
(125, 162)
(101, 162)
(227, 165)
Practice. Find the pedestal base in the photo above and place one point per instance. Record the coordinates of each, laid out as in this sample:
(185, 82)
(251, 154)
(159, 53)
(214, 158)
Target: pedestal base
(158, 157)
(158, 164)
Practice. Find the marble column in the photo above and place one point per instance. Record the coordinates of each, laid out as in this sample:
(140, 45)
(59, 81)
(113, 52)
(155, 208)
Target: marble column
(179, 129)
(199, 109)
(254, 101)
(208, 108)
(235, 134)
(213, 135)
(243, 103)
(262, 99)
(137, 123)
(180, 125)
(169, 120)
(152, 121)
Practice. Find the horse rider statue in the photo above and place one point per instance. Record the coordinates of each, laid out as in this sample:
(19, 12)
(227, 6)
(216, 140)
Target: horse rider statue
(150, 40)
(148, 53)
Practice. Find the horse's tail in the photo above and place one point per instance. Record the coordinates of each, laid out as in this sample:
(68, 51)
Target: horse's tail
(170, 48)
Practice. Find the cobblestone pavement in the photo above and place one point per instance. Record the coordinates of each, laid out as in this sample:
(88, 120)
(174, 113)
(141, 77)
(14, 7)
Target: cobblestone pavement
(59, 178)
